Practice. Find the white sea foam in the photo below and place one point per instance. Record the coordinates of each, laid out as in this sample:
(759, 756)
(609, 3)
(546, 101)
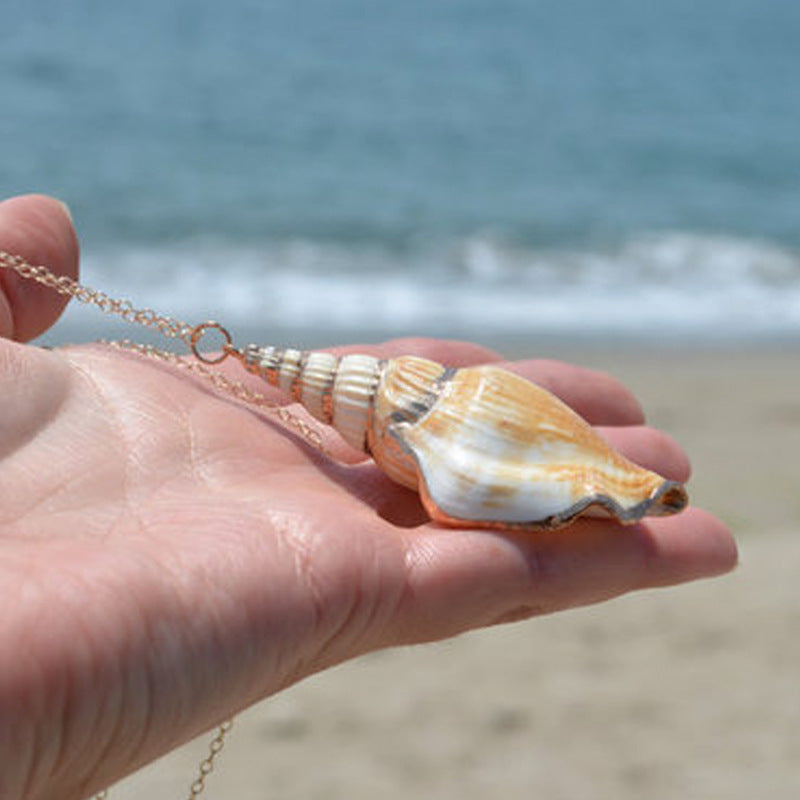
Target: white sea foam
(666, 285)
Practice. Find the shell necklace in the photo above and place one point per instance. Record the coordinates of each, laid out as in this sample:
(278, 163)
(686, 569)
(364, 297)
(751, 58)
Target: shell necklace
(484, 447)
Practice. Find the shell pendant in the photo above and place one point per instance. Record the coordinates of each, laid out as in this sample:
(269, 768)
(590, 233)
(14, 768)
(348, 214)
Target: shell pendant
(484, 447)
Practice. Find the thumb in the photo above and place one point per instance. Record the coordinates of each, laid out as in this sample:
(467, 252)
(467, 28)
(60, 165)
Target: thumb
(39, 229)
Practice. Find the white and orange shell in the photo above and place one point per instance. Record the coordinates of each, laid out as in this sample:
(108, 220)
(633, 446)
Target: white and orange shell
(483, 447)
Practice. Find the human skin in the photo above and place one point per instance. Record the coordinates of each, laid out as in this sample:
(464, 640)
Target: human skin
(168, 556)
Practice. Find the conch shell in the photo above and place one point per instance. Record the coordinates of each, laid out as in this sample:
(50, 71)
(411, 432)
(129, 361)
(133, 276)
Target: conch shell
(484, 447)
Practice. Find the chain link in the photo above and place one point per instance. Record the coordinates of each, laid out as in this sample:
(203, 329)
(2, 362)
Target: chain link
(190, 335)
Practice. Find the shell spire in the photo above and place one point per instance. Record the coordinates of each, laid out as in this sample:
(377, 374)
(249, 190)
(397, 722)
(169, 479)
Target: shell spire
(338, 391)
(483, 447)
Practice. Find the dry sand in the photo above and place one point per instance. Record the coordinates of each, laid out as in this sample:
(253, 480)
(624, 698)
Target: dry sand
(691, 692)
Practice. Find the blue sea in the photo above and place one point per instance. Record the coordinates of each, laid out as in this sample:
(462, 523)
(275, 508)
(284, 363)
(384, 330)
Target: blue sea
(489, 169)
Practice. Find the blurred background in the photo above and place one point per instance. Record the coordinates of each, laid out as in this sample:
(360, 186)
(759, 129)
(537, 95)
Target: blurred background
(617, 182)
(322, 170)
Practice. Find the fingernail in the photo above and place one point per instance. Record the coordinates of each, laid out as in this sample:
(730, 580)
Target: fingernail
(65, 207)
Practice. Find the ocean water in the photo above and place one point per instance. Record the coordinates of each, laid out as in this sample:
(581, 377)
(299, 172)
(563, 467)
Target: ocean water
(479, 168)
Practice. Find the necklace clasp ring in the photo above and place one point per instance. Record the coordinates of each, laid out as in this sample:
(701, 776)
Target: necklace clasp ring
(199, 331)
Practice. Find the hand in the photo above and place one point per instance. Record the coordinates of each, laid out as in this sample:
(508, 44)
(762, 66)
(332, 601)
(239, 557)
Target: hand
(168, 557)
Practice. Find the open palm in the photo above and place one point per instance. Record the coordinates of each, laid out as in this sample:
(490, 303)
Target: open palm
(169, 556)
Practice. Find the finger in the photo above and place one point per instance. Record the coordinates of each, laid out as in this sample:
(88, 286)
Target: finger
(39, 229)
(596, 396)
(459, 580)
(650, 448)
(453, 353)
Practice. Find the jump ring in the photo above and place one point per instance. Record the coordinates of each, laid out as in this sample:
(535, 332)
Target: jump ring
(199, 331)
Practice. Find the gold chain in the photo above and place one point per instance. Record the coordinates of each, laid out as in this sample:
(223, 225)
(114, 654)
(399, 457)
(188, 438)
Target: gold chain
(207, 764)
(190, 335)
(171, 328)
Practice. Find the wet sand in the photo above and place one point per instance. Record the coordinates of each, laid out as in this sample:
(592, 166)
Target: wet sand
(691, 692)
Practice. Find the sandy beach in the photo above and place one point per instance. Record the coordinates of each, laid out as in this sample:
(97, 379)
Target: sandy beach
(689, 692)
